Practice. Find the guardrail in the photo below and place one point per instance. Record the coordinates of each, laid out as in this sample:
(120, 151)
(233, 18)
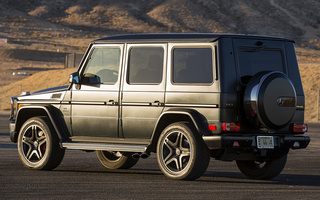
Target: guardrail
(72, 60)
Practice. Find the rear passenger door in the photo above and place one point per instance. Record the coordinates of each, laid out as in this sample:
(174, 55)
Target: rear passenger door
(143, 89)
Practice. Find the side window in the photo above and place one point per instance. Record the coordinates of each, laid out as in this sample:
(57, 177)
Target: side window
(192, 65)
(145, 65)
(103, 65)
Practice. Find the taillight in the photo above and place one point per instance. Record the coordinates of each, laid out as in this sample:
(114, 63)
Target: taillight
(212, 127)
(230, 126)
(300, 128)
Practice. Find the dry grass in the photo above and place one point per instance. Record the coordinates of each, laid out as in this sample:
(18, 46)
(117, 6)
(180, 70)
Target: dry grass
(309, 63)
(310, 74)
(38, 81)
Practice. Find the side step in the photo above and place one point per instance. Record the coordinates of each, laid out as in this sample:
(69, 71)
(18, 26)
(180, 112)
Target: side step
(105, 147)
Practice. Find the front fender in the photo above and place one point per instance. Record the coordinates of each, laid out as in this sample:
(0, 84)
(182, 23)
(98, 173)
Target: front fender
(26, 112)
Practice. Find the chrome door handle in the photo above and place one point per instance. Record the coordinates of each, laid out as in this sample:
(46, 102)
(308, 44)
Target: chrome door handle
(156, 103)
(111, 103)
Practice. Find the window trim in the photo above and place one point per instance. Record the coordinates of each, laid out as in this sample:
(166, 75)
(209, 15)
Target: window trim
(88, 57)
(239, 48)
(214, 60)
(128, 66)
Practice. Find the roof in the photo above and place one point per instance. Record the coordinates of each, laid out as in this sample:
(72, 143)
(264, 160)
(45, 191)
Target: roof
(179, 37)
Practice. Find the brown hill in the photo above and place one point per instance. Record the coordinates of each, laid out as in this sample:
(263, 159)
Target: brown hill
(41, 32)
(46, 20)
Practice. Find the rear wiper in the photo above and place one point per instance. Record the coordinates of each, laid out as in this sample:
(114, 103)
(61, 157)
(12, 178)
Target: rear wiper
(256, 49)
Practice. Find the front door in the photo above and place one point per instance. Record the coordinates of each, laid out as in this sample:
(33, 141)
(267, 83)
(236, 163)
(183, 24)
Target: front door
(95, 102)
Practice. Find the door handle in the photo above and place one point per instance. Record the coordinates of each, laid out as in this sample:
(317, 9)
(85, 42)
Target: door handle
(156, 103)
(111, 103)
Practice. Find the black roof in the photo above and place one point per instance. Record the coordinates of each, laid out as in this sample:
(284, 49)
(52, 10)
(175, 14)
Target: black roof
(179, 37)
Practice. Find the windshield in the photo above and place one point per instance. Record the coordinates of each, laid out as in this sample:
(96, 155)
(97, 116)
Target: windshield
(252, 61)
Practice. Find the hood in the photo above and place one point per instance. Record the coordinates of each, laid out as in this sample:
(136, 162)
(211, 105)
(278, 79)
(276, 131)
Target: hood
(54, 89)
(52, 94)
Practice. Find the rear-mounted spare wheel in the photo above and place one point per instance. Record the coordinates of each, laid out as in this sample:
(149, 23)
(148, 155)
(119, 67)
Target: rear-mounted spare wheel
(270, 100)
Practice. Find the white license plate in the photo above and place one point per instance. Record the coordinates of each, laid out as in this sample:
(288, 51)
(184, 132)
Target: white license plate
(265, 142)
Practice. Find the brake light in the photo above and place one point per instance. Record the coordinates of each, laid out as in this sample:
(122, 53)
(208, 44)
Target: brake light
(212, 127)
(230, 126)
(300, 128)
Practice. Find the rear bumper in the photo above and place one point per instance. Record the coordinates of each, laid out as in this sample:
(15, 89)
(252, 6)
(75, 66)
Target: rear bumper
(223, 142)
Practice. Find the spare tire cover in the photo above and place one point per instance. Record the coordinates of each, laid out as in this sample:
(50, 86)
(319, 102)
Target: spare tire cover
(270, 100)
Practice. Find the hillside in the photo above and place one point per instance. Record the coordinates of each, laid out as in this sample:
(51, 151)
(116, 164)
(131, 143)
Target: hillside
(41, 33)
(44, 20)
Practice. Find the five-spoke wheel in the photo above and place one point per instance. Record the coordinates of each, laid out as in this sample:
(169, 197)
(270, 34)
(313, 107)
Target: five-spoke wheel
(34, 143)
(181, 152)
(38, 144)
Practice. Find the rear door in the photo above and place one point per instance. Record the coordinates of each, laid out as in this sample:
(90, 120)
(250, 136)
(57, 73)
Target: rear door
(143, 89)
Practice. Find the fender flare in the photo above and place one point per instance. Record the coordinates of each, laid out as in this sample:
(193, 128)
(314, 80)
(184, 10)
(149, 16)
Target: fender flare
(44, 110)
(175, 115)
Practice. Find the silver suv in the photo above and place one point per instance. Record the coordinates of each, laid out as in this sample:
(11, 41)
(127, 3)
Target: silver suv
(185, 97)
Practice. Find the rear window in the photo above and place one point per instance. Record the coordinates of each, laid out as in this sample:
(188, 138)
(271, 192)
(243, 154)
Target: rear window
(252, 61)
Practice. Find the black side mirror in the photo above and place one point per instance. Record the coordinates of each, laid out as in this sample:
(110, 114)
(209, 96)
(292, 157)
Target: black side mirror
(74, 78)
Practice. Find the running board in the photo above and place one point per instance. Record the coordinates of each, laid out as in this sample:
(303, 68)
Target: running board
(105, 147)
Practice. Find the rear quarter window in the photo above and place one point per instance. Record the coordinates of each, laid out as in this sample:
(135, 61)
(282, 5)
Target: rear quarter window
(192, 65)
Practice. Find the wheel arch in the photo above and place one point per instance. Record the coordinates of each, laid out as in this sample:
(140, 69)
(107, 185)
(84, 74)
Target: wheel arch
(172, 116)
(27, 112)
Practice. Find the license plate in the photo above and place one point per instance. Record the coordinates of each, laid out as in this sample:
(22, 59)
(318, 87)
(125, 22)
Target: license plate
(265, 142)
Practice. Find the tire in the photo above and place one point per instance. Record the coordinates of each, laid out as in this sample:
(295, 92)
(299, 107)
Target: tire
(262, 170)
(181, 152)
(116, 160)
(270, 100)
(38, 145)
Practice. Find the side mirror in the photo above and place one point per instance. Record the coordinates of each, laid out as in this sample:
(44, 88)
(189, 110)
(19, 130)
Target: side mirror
(74, 78)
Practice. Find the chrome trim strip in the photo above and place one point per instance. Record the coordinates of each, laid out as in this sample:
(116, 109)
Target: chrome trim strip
(105, 147)
(136, 104)
(135, 118)
(93, 117)
(192, 105)
(89, 102)
(39, 102)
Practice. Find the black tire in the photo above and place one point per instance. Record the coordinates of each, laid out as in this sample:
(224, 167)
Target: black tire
(181, 152)
(116, 160)
(38, 144)
(262, 170)
(270, 100)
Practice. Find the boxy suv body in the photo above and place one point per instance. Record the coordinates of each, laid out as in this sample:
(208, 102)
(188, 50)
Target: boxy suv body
(186, 97)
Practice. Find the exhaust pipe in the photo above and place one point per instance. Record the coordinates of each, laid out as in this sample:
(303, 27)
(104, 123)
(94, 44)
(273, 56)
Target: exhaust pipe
(144, 155)
(136, 155)
(140, 155)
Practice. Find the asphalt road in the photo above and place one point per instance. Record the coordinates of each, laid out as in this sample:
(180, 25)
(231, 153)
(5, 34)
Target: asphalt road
(81, 176)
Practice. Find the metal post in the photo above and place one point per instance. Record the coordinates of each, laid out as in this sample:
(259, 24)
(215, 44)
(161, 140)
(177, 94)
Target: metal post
(318, 104)
(74, 60)
(66, 62)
